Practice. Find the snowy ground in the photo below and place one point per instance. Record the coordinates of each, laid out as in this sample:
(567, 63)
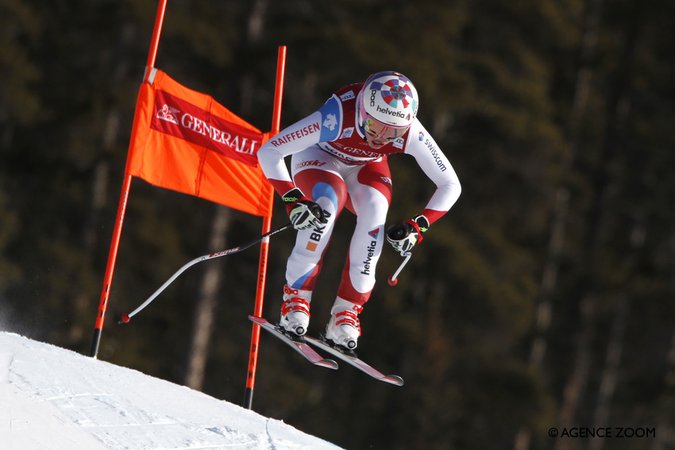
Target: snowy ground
(55, 399)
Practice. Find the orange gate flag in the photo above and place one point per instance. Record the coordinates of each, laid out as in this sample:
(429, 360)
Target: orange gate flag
(185, 141)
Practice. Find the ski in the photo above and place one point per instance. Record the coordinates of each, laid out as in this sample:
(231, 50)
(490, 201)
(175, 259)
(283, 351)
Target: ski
(298, 344)
(354, 361)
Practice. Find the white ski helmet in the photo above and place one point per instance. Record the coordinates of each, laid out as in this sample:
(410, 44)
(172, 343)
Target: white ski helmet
(390, 98)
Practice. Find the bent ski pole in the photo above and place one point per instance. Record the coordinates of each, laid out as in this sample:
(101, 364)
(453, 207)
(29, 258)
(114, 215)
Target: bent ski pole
(127, 317)
(393, 281)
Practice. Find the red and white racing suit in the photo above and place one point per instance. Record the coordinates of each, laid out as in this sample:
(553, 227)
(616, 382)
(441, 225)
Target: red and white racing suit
(334, 166)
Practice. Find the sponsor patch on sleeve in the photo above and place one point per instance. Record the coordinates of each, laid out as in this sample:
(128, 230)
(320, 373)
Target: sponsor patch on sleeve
(331, 119)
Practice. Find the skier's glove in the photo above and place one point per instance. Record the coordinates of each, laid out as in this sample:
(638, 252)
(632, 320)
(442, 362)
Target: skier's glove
(403, 236)
(303, 212)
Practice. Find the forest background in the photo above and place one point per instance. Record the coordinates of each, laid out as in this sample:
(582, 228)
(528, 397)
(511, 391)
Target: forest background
(545, 298)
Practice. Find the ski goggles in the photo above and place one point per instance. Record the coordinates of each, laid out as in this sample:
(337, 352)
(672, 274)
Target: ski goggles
(379, 131)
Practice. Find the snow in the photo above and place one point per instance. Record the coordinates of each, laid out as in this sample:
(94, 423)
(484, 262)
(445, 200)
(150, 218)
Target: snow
(55, 399)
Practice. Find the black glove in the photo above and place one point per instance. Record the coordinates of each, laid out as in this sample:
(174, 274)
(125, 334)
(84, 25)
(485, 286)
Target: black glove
(403, 236)
(303, 212)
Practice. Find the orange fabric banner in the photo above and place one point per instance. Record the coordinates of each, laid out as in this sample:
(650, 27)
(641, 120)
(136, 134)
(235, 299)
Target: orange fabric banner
(185, 141)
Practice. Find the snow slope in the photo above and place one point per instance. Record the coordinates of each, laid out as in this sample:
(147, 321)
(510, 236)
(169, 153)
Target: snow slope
(55, 399)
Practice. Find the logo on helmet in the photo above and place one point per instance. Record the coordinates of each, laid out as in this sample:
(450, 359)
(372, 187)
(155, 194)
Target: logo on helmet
(395, 91)
(392, 112)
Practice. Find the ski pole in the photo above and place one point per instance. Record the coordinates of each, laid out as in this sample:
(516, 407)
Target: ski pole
(127, 317)
(393, 281)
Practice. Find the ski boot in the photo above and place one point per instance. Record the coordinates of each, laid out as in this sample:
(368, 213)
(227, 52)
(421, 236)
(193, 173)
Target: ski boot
(343, 329)
(295, 311)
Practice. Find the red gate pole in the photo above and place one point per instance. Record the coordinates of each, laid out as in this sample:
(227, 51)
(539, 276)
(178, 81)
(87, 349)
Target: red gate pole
(124, 196)
(264, 246)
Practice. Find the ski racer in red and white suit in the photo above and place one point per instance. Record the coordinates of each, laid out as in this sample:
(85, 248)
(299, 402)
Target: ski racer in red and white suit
(339, 158)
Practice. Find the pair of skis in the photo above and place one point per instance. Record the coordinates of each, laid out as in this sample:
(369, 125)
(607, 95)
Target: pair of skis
(303, 345)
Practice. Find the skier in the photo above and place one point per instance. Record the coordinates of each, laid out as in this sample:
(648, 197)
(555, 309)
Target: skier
(339, 159)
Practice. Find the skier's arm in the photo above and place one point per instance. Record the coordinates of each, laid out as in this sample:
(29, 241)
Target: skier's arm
(320, 126)
(404, 235)
(436, 166)
(292, 139)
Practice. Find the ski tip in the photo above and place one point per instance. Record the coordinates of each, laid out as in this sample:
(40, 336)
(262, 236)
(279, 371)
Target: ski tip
(329, 364)
(394, 379)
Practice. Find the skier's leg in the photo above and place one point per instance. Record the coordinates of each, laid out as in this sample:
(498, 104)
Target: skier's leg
(314, 172)
(370, 193)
